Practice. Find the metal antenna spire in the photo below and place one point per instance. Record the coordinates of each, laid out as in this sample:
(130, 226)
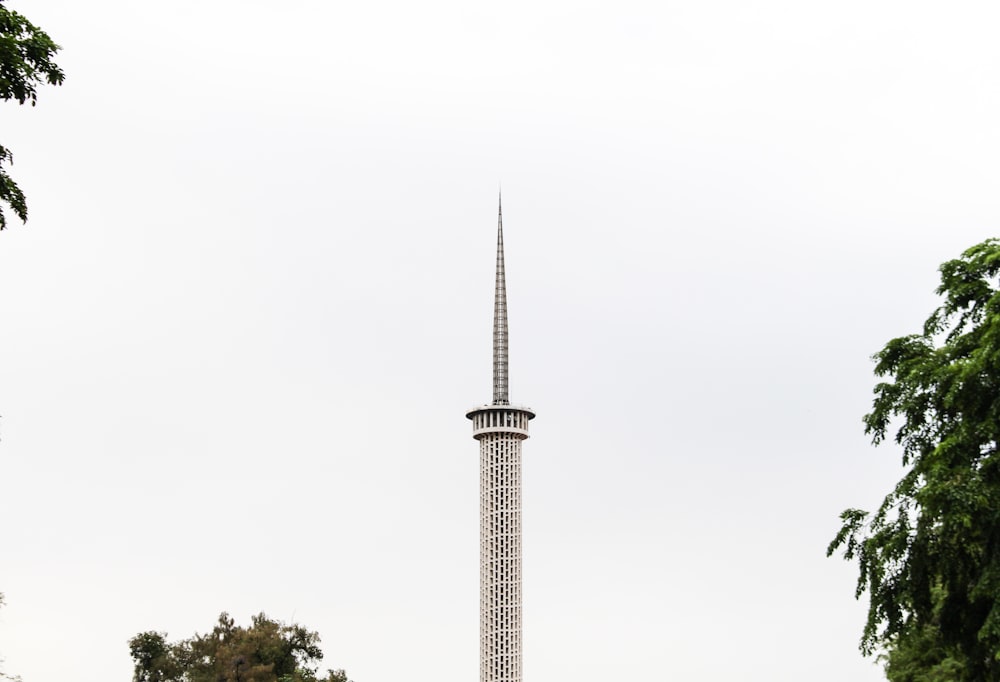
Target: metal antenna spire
(500, 396)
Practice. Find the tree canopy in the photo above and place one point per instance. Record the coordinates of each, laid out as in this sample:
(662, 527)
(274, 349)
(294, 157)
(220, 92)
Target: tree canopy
(266, 651)
(26, 54)
(929, 556)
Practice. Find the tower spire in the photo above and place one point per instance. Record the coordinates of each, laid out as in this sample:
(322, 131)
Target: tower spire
(500, 394)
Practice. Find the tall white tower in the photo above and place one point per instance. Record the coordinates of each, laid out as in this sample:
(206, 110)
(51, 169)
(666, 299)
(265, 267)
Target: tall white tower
(500, 427)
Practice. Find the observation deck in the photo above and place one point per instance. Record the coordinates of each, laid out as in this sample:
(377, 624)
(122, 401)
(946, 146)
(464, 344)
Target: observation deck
(512, 419)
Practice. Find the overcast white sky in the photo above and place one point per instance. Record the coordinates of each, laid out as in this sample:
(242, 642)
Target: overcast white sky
(254, 300)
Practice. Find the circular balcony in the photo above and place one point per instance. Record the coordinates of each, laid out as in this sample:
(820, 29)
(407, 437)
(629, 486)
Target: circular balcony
(511, 419)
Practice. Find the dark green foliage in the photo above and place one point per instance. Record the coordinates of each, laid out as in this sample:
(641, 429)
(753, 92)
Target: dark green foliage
(267, 651)
(929, 557)
(153, 658)
(26, 54)
(10, 193)
(920, 655)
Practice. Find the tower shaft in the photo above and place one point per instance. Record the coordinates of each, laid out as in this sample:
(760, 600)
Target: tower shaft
(500, 429)
(500, 558)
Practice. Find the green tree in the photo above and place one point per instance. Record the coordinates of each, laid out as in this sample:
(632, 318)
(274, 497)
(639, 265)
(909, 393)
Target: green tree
(266, 651)
(920, 655)
(26, 53)
(154, 658)
(929, 556)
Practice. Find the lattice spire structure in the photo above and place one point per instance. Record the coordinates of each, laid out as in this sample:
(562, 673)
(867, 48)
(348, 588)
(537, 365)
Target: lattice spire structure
(500, 396)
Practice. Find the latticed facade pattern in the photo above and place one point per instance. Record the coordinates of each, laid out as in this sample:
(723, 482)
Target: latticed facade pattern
(500, 431)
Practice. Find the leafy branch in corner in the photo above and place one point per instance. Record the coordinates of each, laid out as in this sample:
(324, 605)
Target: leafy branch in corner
(26, 61)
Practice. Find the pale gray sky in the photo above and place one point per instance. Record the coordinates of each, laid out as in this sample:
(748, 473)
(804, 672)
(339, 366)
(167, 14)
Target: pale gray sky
(254, 300)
